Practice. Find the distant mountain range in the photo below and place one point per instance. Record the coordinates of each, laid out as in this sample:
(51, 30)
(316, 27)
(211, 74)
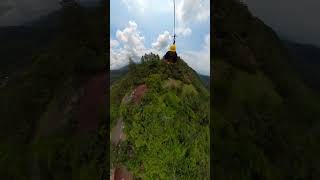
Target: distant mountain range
(19, 43)
(306, 60)
(117, 74)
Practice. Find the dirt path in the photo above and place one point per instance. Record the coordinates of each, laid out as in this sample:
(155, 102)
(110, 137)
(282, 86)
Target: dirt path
(117, 134)
(121, 173)
(139, 92)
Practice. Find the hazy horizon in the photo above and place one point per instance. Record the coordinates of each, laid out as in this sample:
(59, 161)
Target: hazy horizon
(293, 20)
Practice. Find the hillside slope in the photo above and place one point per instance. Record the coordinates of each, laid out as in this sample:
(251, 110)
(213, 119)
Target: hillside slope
(53, 115)
(265, 119)
(164, 111)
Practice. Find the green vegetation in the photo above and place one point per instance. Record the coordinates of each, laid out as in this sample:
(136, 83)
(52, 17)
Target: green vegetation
(39, 107)
(265, 120)
(168, 130)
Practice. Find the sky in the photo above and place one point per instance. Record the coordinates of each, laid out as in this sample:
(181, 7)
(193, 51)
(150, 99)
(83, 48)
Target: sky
(146, 25)
(296, 20)
(143, 26)
(18, 12)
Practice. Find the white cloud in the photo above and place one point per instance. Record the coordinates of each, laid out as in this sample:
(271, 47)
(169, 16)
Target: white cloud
(114, 43)
(129, 44)
(162, 41)
(118, 58)
(207, 42)
(147, 6)
(199, 60)
(186, 10)
(130, 36)
(136, 5)
(189, 11)
(183, 31)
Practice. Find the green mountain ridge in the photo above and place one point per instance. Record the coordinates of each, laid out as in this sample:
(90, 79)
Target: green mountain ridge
(165, 110)
(53, 115)
(264, 116)
(118, 73)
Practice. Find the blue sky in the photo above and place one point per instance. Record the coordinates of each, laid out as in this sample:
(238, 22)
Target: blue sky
(142, 26)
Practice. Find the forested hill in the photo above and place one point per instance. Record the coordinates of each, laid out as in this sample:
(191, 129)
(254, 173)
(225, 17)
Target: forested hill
(20, 44)
(265, 118)
(53, 116)
(164, 111)
(118, 73)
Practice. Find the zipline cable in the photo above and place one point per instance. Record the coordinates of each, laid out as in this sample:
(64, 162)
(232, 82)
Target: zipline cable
(174, 21)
